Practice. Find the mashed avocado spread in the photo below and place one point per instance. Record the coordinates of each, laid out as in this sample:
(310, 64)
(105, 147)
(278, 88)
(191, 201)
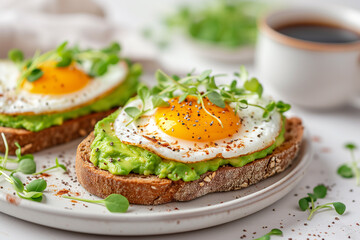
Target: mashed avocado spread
(118, 97)
(109, 153)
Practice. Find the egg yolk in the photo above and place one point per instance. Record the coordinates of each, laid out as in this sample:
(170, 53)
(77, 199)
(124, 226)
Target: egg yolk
(57, 80)
(189, 121)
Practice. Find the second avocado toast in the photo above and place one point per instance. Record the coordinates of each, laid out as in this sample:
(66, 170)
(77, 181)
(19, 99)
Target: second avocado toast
(58, 96)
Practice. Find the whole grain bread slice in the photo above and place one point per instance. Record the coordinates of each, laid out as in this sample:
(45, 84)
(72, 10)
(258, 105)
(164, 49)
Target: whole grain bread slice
(151, 190)
(31, 142)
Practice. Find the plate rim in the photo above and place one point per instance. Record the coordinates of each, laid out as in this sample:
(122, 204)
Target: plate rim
(305, 153)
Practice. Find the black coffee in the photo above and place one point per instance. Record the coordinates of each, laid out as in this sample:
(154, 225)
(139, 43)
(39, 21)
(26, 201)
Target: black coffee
(318, 32)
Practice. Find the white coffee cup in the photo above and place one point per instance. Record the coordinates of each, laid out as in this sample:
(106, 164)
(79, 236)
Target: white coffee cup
(310, 74)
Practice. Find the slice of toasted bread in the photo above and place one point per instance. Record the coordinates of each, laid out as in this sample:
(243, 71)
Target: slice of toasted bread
(31, 142)
(151, 190)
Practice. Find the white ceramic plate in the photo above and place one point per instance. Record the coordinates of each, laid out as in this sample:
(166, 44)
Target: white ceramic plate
(207, 211)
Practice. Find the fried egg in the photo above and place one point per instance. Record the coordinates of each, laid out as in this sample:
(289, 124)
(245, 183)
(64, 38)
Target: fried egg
(185, 132)
(59, 89)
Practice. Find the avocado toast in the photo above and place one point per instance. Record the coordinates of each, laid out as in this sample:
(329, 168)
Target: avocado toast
(75, 89)
(165, 147)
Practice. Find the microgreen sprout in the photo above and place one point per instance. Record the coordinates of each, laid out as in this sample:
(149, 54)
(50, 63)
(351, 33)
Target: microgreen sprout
(350, 170)
(32, 191)
(115, 203)
(319, 192)
(144, 94)
(57, 165)
(64, 56)
(25, 164)
(227, 24)
(267, 236)
(204, 86)
(16, 56)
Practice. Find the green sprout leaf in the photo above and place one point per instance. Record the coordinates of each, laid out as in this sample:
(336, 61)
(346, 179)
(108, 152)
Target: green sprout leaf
(265, 237)
(211, 84)
(312, 196)
(114, 48)
(275, 231)
(216, 99)
(115, 203)
(304, 204)
(16, 56)
(26, 166)
(266, 114)
(243, 104)
(320, 191)
(339, 207)
(37, 185)
(271, 106)
(113, 59)
(155, 90)
(16, 182)
(345, 171)
(132, 111)
(98, 68)
(192, 90)
(254, 86)
(66, 60)
(233, 86)
(350, 146)
(159, 102)
(268, 109)
(62, 166)
(175, 77)
(39, 199)
(35, 74)
(144, 93)
(161, 77)
(204, 75)
(61, 47)
(282, 107)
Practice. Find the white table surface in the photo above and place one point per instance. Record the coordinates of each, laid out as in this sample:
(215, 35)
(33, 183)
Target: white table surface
(329, 130)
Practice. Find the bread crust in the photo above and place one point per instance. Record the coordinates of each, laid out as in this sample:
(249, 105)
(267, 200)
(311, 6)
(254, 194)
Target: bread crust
(151, 190)
(31, 142)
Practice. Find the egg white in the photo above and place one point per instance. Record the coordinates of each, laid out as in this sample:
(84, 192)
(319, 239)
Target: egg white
(14, 101)
(254, 134)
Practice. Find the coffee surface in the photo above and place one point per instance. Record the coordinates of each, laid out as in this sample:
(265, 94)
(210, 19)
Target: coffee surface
(316, 32)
